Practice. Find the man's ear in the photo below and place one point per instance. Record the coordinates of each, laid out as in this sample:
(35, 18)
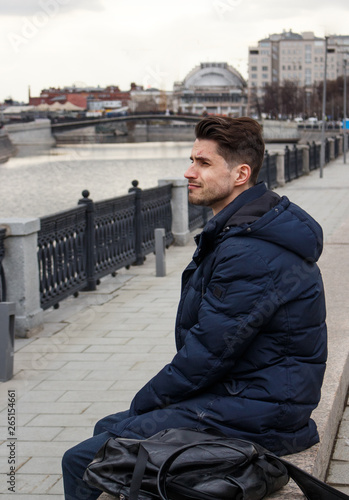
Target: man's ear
(243, 174)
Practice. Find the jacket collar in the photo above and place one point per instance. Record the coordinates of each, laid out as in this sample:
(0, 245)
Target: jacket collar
(216, 225)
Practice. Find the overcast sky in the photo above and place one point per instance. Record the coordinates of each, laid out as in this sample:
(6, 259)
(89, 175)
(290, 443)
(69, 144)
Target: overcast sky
(56, 43)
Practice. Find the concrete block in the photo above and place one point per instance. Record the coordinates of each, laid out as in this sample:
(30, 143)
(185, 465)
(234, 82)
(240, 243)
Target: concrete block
(22, 274)
(280, 168)
(32, 137)
(306, 169)
(179, 204)
(160, 252)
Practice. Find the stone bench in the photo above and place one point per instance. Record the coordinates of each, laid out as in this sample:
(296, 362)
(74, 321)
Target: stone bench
(315, 460)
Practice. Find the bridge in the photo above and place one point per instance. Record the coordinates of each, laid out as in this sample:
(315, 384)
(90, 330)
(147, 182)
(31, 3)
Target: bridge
(41, 135)
(88, 122)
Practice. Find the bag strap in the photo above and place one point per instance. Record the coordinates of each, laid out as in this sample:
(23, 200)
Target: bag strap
(165, 466)
(138, 473)
(313, 488)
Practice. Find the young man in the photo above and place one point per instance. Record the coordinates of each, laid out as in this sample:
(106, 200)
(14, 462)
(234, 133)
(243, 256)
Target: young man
(250, 328)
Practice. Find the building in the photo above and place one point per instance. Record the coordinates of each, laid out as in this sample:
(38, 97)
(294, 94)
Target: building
(150, 101)
(83, 96)
(339, 45)
(296, 57)
(212, 88)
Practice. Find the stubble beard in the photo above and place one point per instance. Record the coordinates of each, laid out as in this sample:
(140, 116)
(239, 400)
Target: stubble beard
(202, 202)
(208, 199)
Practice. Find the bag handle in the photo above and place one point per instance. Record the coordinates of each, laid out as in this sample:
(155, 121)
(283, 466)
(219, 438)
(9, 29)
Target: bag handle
(138, 473)
(313, 488)
(165, 466)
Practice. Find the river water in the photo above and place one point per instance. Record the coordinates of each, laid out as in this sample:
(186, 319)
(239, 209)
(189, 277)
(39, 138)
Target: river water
(35, 186)
(42, 185)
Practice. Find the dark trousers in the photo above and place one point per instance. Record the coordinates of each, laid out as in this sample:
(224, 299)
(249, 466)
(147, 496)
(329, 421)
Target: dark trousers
(74, 464)
(76, 459)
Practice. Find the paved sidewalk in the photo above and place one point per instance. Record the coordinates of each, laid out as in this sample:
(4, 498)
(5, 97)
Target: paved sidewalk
(97, 350)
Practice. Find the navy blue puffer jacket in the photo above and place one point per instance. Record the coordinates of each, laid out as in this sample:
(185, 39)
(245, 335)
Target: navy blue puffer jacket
(250, 329)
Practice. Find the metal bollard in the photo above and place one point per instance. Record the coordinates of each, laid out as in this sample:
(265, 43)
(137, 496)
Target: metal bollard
(160, 246)
(7, 339)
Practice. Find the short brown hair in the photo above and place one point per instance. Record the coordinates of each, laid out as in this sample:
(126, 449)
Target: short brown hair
(239, 140)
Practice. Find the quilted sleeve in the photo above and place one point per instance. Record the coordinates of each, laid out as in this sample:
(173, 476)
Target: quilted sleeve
(237, 301)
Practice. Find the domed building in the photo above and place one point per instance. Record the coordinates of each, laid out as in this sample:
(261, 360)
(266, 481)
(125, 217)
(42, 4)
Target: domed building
(212, 88)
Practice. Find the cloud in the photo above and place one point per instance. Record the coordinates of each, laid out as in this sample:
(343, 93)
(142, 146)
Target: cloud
(252, 11)
(56, 42)
(32, 7)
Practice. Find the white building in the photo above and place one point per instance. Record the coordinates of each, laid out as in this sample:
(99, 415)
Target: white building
(295, 57)
(212, 88)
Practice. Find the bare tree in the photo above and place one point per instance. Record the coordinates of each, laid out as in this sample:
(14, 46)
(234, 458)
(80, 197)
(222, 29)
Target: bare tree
(271, 100)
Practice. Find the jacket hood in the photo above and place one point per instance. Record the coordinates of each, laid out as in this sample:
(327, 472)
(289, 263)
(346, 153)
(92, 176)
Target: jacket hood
(261, 213)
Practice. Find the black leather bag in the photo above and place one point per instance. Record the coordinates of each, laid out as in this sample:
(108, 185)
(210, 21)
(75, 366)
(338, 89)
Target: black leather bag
(184, 464)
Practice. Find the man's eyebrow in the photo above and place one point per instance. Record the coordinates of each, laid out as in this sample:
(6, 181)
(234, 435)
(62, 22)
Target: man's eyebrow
(200, 157)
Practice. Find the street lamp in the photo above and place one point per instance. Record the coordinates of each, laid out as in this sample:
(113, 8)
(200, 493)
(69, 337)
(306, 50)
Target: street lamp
(322, 158)
(345, 110)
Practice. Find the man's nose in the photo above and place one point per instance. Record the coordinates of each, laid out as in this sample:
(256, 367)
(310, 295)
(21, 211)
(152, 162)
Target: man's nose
(190, 173)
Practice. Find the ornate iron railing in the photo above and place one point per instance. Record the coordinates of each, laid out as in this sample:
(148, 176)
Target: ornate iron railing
(2, 274)
(268, 172)
(327, 150)
(314, 155)
(61, 255)
(114, 234)
(155, 213)
(293, 163)
(78, 247)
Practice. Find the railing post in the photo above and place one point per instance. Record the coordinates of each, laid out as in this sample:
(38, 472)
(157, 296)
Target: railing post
(280, 168)
(90, 246)
(138, 223)
(7, 339)
(311, 157)
(2, 274)
(287, 164)
(331, 142)
(22, 273)
(179, 205)
(160, 246)
(295, 155)
(306, 154)
(317, 154)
